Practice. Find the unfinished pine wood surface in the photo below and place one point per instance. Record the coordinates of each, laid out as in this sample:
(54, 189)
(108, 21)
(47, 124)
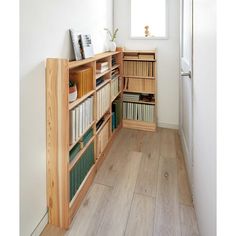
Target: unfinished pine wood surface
(167, 202)
(141, 217)
(92, 208)
(137, 191)
(118, 208)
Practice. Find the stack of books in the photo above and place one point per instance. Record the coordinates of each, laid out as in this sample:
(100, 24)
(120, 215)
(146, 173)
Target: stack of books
(81, 118)
(102, 66)
(134, 97)
(81, 169)
(103, 100)
(141, 112)
(83, 78)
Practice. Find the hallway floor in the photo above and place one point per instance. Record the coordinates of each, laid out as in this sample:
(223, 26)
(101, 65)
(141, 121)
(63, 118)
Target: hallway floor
(140, 189)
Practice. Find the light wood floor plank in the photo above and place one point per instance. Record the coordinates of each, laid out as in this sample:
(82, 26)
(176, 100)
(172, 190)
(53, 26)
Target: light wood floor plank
(168, 143)
(118, 208)
(147, 177)
(185, 196)
(167, 203)
(188, 221)
(141, 217)
(139, 165)
(90, 213)
(117, 158)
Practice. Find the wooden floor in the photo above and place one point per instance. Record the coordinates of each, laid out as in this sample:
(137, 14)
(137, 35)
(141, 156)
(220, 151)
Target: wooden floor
(141, 189)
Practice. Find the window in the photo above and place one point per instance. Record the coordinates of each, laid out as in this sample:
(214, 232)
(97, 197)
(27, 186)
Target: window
(148, 19)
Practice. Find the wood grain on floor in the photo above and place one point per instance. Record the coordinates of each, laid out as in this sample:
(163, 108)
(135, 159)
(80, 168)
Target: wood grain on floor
(140, 189)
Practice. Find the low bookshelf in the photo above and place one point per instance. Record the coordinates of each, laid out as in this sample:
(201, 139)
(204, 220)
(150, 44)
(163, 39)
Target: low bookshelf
(79, 133)
(139, 90)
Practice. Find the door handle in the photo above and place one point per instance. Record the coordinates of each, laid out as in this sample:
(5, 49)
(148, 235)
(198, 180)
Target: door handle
(189, 74)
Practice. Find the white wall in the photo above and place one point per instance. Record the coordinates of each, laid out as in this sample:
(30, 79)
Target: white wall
(168, 58)
(44, 33)
(204, 105)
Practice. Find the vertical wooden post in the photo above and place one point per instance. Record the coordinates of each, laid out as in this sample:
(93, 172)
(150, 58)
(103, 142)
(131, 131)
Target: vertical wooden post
(57, 141)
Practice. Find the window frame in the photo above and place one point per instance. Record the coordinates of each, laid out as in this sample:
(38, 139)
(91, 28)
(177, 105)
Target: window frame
(151, 38)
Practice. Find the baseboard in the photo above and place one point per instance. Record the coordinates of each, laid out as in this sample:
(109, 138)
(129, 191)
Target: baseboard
(168, 125)
(40, 227)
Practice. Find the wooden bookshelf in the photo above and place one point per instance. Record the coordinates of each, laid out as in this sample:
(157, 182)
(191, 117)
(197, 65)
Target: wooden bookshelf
(139, 77)
(63, 195)
(71, 166)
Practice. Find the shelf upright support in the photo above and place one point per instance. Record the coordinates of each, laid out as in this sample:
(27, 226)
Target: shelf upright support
(57, 121)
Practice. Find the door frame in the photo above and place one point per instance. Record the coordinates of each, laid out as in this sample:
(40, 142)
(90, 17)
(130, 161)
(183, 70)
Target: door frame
(188, 154)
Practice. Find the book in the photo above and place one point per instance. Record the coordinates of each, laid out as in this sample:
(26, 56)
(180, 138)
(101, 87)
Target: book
(75, 37)
(86, 45)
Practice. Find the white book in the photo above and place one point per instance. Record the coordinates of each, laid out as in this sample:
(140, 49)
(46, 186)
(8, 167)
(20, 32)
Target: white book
(91, 110)
(139, 111)
(76, 123)
(72, 126)
(80, 120)
(135, 112)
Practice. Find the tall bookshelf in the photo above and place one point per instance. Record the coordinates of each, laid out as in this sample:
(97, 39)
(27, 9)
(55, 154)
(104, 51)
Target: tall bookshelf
(139, 90)
(79, 133)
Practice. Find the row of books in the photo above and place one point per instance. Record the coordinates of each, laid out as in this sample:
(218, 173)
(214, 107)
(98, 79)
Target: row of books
(114, 87)
(114, 73)
(81, 118)
(113, 60)
(83, 78)
(102, 66)
(103, 100)
(81, 144)
(81, 169)
(139, 68)
(116, 113)
(140, 112)
(136, 97)
(103, 138)
(137, 84)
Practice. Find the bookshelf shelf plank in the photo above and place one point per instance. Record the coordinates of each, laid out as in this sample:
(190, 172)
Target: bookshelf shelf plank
(130, 91)
(115, 66)
(116, 96)
(99, 75)
(80, 153)
(139, 77)
(90, 126)
(141, 102)
(139, 59)
(79, 100)
(104, 123)
(141, 125)
(74, 64)
(103, 84)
